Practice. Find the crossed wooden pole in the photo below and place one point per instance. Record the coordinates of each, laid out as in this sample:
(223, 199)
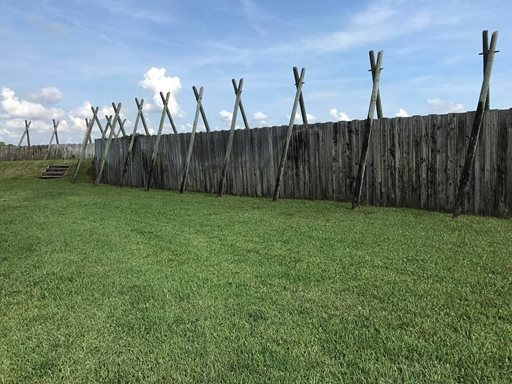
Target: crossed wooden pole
(26, 133)
(483, 105)
(227, 156)
(165, 111)
(299, 82)
(54, 135)
(117, 111)
(376, 69)
(129, 155)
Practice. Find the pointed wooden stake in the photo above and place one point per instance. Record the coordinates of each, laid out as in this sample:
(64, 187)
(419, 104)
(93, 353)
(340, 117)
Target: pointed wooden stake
(289, 132)
(367, 134)
(54, 134)
(142, 118)
(192, 138)
(475, 131)
(227, 156)
(166, 108)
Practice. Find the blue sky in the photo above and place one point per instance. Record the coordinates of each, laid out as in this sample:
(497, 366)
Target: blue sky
(61, 56)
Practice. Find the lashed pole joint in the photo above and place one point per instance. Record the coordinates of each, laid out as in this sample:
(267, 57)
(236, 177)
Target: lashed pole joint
(301, 98)
(475, 131)
(227, 156)
(289, 132)
(373, 70)
(367, 134)
(484, 54)
(192, 138)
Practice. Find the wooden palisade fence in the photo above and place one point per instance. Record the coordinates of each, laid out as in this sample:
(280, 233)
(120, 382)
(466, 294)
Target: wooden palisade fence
(412, 162)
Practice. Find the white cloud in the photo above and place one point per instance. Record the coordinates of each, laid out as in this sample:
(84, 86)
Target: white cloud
(16, 108)
(260, 118)
(48, 95)
(440, 106)
(156, 81)
(225, 116)
(402, 113)
(339, 116)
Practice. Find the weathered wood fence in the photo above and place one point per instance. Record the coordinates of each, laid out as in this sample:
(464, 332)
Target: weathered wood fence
(412, 162)
(40, 152)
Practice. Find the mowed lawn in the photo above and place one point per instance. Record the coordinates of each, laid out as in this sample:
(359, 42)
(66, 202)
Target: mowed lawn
(103, 284)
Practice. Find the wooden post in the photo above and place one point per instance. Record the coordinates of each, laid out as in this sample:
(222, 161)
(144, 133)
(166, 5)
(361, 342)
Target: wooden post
(121, 128)
(25, 133)
(373, 70)
(166, 108)
(86, 138)
(139, 117)
(475, 131)
(165, 111)
(367, 134)
(192, 137)
(140, 106)
(203, 114)
(54, 134)
(231, 135)
(242, 110)
(301, 98)
(98, 123)
(289, 132)
(87, 124)
(109, 141)
(27, 126)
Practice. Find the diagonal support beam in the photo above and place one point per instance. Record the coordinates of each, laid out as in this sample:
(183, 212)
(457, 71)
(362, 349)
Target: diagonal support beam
(242, 110)
(227, 156)
(117, 110)
(140, 117)
(165, 111)
(289, 132)
(203, 114)
(54, 134)
(373, 70)
(199, 98)
(140, 107)
(301, 98)
(475, 131)
(367, 134)
(87, 137)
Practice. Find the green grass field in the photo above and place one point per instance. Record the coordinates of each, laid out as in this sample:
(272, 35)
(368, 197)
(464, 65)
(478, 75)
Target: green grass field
(102, 284)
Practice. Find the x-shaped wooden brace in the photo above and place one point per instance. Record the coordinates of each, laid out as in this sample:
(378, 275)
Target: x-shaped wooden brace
(54, 134)
(121, 123)
(242, 110)
(301, 98)
(112, 123)
(166, 110)
(199, 107)
(373, 70)
(485, 54)
(356, 197)
(140, 117)
(227, 156)
(25, 133)
(203, 114)
(282, 163)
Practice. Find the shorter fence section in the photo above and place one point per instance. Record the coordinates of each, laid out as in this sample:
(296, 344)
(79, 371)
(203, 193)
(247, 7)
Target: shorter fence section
(40, 152)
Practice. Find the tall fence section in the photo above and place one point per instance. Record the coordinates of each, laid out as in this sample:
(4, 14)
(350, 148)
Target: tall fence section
(43, 152)
(412, 162)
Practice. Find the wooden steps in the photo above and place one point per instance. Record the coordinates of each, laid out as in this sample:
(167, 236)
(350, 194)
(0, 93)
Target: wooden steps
(54, 171)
